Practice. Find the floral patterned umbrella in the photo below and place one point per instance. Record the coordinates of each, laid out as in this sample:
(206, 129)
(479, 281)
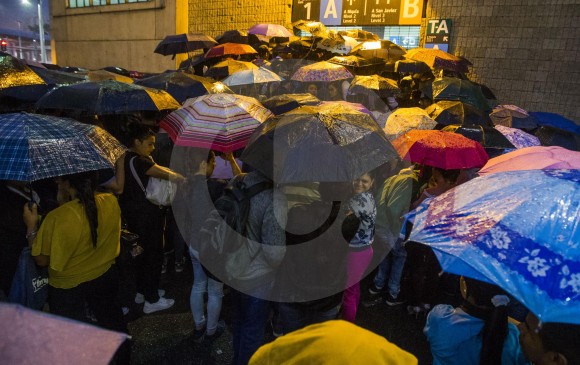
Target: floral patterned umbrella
(517, 137)
(518, 230)
(321, 71)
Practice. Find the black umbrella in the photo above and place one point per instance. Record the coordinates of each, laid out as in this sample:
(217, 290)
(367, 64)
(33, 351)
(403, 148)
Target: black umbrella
(318, 143)
(233, 36)
(551, 136)
(281, 104)
(492, 140)
(107, 97)
(18, 81)
(184, 43)
(449, 112)
(182, 85)
(58, 78)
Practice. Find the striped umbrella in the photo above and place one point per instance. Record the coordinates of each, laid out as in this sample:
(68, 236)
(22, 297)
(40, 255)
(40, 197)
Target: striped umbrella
(321, 71)
(35, 147)
(221, 122)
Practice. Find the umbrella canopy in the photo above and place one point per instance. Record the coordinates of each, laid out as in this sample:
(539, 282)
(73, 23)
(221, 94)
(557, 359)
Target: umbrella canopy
(403, 120)
(318, 143)
(184, 43)
(337, 44)
(55, 78)
(102, 75)
(253, 76)
(378, 84)
(233, 36)
(229, 67)
(182, 85)
(270, 30)
(448, 112)
(556, 121)
(452, 88)
(518, 137)
(360, 35)
(355, 61)
(281, 104)
(222, 122)
(107, 97)
(321, 71)
(70, 342)
(380, 49)
(436, 58)
(346, 104)
(444, 150)
(552, 136)
(518, 230)
(533, 158)
(35, 147)
(317, 29)
(490, 138)
(18, 81)
(512, 116)
(232, 49)
(412, 66)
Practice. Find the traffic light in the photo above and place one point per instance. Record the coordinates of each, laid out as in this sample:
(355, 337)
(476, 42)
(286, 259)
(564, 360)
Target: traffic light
(3, 44)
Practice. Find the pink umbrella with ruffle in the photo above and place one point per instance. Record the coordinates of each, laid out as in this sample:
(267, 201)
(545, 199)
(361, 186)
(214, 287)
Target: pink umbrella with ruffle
(533, 158)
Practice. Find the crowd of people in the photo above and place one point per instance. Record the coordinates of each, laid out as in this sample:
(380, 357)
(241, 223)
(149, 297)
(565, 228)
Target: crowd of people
(317, 242)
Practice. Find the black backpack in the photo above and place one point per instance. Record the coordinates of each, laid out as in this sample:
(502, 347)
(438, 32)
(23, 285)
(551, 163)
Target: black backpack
(224, 249)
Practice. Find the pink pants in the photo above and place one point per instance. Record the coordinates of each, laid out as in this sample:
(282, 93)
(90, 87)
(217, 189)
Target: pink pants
(357, 263)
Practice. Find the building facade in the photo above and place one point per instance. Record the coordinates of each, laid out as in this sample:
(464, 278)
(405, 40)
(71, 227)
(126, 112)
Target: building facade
(526, 52)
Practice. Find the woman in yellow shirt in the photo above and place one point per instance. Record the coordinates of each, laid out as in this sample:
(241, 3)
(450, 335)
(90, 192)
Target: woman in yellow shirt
(79, 242)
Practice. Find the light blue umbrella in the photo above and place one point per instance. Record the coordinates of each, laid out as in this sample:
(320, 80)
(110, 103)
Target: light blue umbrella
(519, 230)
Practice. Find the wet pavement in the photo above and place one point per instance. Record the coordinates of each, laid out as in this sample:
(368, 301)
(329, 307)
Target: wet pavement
(165, 337)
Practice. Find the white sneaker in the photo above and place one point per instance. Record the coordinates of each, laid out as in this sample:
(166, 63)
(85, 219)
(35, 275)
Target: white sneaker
(140, 298)
(160, 305)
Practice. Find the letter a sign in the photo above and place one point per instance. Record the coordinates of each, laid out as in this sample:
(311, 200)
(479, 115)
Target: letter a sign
(330, 12)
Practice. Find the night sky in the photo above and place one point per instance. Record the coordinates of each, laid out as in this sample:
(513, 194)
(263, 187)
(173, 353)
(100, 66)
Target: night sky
(13, 10)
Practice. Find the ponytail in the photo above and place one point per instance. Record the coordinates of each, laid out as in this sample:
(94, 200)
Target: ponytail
(85, 184)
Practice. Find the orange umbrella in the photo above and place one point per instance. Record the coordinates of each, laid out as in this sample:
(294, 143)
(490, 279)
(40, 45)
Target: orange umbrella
(230, 49)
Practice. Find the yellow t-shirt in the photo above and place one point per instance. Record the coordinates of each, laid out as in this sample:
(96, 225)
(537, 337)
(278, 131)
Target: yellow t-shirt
(65, 236)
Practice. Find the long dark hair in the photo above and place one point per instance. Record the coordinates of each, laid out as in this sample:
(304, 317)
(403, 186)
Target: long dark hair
(85, 183)
(495, 328)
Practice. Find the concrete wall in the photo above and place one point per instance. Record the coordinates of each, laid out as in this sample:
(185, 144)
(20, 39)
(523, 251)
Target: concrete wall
(216, 16)
(115, 35)
(526, 51)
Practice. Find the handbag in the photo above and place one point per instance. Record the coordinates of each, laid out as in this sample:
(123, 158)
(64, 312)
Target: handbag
(30, 284)
(158, 191)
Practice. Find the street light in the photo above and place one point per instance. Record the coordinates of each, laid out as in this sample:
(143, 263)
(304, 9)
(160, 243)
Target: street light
(40, 28)
(19, 39)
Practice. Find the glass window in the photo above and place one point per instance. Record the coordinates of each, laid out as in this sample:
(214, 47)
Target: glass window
(88, 3)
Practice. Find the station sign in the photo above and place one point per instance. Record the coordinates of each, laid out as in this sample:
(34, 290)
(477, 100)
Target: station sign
(437, 34)
(359, 12)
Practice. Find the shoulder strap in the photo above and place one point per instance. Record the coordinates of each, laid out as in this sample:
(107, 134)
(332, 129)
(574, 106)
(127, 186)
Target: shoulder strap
(257, 188)
(135, 173)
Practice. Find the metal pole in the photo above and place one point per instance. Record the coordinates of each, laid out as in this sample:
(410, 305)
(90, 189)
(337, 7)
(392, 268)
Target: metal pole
(41, 29)
(19, 40)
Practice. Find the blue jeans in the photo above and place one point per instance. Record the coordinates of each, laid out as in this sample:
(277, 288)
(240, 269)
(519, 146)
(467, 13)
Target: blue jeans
(391, 267)
(249, 317)
(215, 293)
(295, 316)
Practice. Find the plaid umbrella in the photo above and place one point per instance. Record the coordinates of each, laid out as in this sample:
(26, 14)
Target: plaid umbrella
(184, 43)
(253, 76)
(182, 85)
(403, 120)
(270, 30)
(230, 49)
(436, 58)
(321, 71)
(107, 97)
(222, 122)
(444, 150)
(35, 147)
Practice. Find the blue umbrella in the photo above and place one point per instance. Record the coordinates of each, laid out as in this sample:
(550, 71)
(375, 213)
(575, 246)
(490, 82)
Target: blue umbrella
(35, 147)
(556, 121)
(519, 230)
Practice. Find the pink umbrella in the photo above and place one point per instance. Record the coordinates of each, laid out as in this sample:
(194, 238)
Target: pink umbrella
(533, 158)
(270, 30)
(31, 337)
